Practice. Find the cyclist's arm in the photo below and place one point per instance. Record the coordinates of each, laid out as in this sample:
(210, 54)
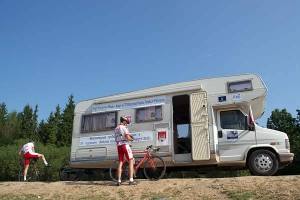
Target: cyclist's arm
(129, 137)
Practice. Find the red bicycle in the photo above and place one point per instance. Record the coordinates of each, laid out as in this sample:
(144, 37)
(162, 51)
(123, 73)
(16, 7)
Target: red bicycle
(154, 166)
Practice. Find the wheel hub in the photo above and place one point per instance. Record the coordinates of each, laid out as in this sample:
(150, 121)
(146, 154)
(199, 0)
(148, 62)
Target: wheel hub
(263, 162)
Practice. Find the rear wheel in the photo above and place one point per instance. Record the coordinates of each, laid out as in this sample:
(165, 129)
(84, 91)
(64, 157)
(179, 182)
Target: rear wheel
(21, 175)
(34, 174)
(113, 171)
(263, 163)
(154, 168)
(67, 173)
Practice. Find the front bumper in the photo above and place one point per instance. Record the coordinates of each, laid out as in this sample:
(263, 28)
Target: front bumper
(286, 157)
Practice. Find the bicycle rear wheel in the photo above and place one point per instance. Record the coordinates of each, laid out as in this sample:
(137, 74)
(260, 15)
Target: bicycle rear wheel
(113, 171)
(21, 175)
(34, 174)
(154, 168)
(67, 173)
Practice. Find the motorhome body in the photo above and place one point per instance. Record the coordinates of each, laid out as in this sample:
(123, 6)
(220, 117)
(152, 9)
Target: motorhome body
(195, 123)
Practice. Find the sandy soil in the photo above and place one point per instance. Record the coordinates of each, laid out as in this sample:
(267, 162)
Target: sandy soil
(248, 187)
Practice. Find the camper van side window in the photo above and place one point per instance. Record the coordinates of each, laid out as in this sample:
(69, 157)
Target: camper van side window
(239, 86)
(152, 113)
(98, 122)
(232, 119)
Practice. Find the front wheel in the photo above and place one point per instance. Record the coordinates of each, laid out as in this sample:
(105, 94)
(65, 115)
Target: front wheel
(263, 163)
(154, 168)
(113, 171)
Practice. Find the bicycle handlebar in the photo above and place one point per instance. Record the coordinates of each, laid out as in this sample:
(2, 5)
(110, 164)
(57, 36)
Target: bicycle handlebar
(151, 147)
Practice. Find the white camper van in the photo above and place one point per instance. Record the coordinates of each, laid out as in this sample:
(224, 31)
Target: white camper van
(206, 122)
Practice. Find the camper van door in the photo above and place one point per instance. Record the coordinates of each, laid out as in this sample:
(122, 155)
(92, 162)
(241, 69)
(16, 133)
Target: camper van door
(199, 126)
(234, 138)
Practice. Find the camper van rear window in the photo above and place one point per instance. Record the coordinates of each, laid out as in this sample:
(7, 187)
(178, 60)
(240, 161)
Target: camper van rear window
(98, 122)
(239, 86)
(152, 113)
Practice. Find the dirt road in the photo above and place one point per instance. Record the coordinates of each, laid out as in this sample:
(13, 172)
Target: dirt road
(248, 187)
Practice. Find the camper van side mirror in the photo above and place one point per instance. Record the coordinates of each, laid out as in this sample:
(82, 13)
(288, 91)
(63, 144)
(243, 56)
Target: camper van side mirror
(250, 128)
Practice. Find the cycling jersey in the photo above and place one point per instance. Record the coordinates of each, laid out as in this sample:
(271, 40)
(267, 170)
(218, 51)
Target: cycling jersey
(28, 152)
(120, 134)
(28, 148)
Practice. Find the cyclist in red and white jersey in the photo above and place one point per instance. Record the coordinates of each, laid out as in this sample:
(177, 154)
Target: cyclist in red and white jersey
(28, 153)
(122, 138)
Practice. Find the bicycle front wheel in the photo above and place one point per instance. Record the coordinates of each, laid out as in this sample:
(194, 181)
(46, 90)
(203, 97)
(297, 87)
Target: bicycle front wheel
(154, 168)
(113, 171)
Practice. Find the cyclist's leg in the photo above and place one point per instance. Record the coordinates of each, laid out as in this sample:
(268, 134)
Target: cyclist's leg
(113, 171)
(25, 171)
(130, 162)
(129, 157)
(120, 171)
(26, 164)
(43, 158)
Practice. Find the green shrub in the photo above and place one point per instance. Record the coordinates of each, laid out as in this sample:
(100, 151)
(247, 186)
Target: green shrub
(10, 166)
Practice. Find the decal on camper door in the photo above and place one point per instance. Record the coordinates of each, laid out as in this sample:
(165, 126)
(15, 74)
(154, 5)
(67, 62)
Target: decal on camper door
(232, 135)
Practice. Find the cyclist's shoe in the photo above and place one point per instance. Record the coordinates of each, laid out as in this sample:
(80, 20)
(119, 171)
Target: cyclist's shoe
(119, 183)
(48, 165)
(133, 183)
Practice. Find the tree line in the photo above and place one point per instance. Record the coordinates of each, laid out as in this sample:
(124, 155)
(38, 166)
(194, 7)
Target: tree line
(282, 120)
(56, 130)
(52, 138)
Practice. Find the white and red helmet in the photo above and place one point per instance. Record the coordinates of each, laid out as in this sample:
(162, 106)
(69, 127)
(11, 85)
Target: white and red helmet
(125, 118)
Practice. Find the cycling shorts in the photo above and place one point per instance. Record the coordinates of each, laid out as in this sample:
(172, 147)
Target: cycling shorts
(124, 150)
(28, 156)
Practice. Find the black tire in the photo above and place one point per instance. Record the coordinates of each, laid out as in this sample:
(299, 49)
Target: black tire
(95, 174)
(21, 175)
(158, 171)
(263, 163)
(67, 173)
(34, 174)
(113, 171)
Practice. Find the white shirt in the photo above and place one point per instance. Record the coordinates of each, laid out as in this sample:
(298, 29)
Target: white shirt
(28, 148)
(120, 134)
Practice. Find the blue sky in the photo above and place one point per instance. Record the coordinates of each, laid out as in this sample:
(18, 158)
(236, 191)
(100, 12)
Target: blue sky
(52, 49)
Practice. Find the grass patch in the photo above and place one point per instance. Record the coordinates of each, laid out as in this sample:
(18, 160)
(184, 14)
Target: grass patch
(13, 197)
(154, 197)
(240, 195)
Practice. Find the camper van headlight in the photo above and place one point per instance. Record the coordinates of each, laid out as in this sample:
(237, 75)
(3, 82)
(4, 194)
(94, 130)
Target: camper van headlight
(287, 144)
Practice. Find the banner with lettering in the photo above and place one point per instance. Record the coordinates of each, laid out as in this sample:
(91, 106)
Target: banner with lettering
(122, 105)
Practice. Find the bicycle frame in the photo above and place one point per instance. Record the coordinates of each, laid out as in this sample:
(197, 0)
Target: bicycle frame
(146, 156)
(32, 173)
(154, 166)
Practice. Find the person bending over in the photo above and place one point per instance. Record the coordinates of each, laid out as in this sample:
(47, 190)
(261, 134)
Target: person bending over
(28, 153)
